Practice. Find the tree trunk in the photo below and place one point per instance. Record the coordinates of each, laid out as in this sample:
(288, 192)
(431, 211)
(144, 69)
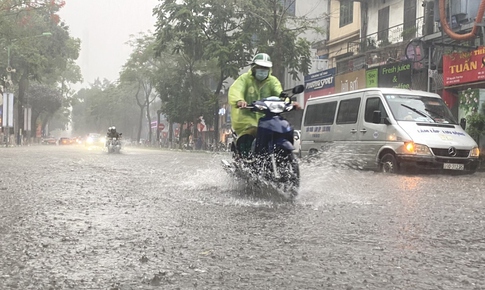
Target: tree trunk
(149, 122)
(23, 84)
(195, 131)
(216, 118)
(170, 134)
(44, 125)
(140, 125)
(181, 136)
(216, 108)
(33, 124)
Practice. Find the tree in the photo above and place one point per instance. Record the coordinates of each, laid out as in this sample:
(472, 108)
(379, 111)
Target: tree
(476, 124)
(278, 33)
(229, 32)
(34, 57)
(45, 101)
(139, 74)
(205, 31)
(102, 105)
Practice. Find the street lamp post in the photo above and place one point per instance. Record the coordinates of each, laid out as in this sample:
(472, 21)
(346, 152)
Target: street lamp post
(8, 101)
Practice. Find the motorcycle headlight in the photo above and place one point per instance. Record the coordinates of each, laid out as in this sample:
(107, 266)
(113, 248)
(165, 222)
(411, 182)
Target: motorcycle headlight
(475, 152)
(260, 107)
(276, 107)
(103, 140)
(418, 149)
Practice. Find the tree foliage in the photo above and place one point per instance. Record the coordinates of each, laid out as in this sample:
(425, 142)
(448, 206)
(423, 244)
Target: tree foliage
(45, 101)
(139, 73)
(278, 33)
(39, 48)
(102, 105)
(207, 36)
(228, 33)
(476, 124)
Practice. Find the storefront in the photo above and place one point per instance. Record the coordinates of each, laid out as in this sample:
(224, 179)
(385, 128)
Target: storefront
(350, 81)
(394, 75)
(319, 84)
(464, 81)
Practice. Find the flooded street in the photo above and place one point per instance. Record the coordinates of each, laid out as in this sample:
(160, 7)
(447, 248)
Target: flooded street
(73, 218)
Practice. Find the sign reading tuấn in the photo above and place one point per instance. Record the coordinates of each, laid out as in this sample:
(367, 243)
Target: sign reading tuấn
(464, 67)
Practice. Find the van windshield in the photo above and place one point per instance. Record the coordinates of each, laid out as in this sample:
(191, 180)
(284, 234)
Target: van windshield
(419, 109)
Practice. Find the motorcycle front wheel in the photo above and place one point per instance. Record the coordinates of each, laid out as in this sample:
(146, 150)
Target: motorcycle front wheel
(288, 173)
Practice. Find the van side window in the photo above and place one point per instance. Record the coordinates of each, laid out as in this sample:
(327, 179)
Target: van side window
(348, 111)
(374, 104)
(320, 114)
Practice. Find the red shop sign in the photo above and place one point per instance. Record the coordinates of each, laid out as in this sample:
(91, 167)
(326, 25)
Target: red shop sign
(464, 67)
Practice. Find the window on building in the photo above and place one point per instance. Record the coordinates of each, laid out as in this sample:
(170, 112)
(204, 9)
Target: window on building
(320, 114)
(346, 12)
(348, 111)
(383, 24)
(343, 63)
(342, 67)
(290, 4)
(409, 26)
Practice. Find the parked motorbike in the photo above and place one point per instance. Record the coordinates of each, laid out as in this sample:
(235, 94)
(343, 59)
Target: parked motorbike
(271, 160)
(113, 144)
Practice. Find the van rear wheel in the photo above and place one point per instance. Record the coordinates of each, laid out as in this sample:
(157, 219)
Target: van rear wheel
(389, 163)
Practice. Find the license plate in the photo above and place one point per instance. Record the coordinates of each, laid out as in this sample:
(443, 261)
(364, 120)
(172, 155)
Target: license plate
(453, 166)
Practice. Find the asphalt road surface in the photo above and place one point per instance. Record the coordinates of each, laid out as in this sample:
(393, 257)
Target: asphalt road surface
(79, 218)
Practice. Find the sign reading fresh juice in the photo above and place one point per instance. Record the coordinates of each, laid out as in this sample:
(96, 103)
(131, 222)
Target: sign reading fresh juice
(464, 67)
(395, 75)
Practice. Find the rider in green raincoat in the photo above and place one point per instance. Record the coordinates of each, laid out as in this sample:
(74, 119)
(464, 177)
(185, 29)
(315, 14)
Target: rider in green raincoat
(256, 84)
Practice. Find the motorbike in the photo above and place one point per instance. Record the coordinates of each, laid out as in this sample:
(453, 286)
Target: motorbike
(271, 160)
(113, 144)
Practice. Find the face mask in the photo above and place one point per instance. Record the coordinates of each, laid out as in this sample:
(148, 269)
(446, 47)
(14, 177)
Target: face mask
(261, 74)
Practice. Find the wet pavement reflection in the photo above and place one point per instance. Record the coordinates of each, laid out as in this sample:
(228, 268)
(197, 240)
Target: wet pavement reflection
(72, 218)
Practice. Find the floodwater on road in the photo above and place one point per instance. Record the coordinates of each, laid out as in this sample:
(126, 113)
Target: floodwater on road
(73, 218)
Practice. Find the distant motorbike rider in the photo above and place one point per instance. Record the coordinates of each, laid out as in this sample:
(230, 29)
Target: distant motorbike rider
(256, 84)
(111, 134)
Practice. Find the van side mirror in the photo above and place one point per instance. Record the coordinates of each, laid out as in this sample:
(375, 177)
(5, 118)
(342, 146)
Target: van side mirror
(463, 123)
(376, 117)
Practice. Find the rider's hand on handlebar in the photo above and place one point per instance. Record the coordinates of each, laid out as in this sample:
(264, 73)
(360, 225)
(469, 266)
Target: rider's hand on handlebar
(241, 104)
(296, 105)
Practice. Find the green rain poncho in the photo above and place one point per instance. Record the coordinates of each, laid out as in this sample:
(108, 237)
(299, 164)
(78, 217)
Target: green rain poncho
(247, 88)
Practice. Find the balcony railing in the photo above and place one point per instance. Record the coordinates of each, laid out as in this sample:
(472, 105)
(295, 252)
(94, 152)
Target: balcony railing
(386, 37)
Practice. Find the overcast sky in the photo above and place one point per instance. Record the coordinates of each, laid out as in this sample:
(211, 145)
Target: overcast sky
(104, 27)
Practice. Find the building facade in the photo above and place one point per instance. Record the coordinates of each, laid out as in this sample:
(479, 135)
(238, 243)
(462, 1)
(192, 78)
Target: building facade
(430, 45)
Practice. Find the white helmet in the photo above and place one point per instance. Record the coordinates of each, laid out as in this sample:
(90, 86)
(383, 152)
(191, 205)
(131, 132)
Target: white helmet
(262, 59)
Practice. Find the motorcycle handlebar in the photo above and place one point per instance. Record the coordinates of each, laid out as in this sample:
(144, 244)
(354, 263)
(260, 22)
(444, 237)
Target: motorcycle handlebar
(250, 107)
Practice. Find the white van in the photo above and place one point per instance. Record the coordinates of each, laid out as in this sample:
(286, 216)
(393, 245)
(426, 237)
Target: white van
(387, 129)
